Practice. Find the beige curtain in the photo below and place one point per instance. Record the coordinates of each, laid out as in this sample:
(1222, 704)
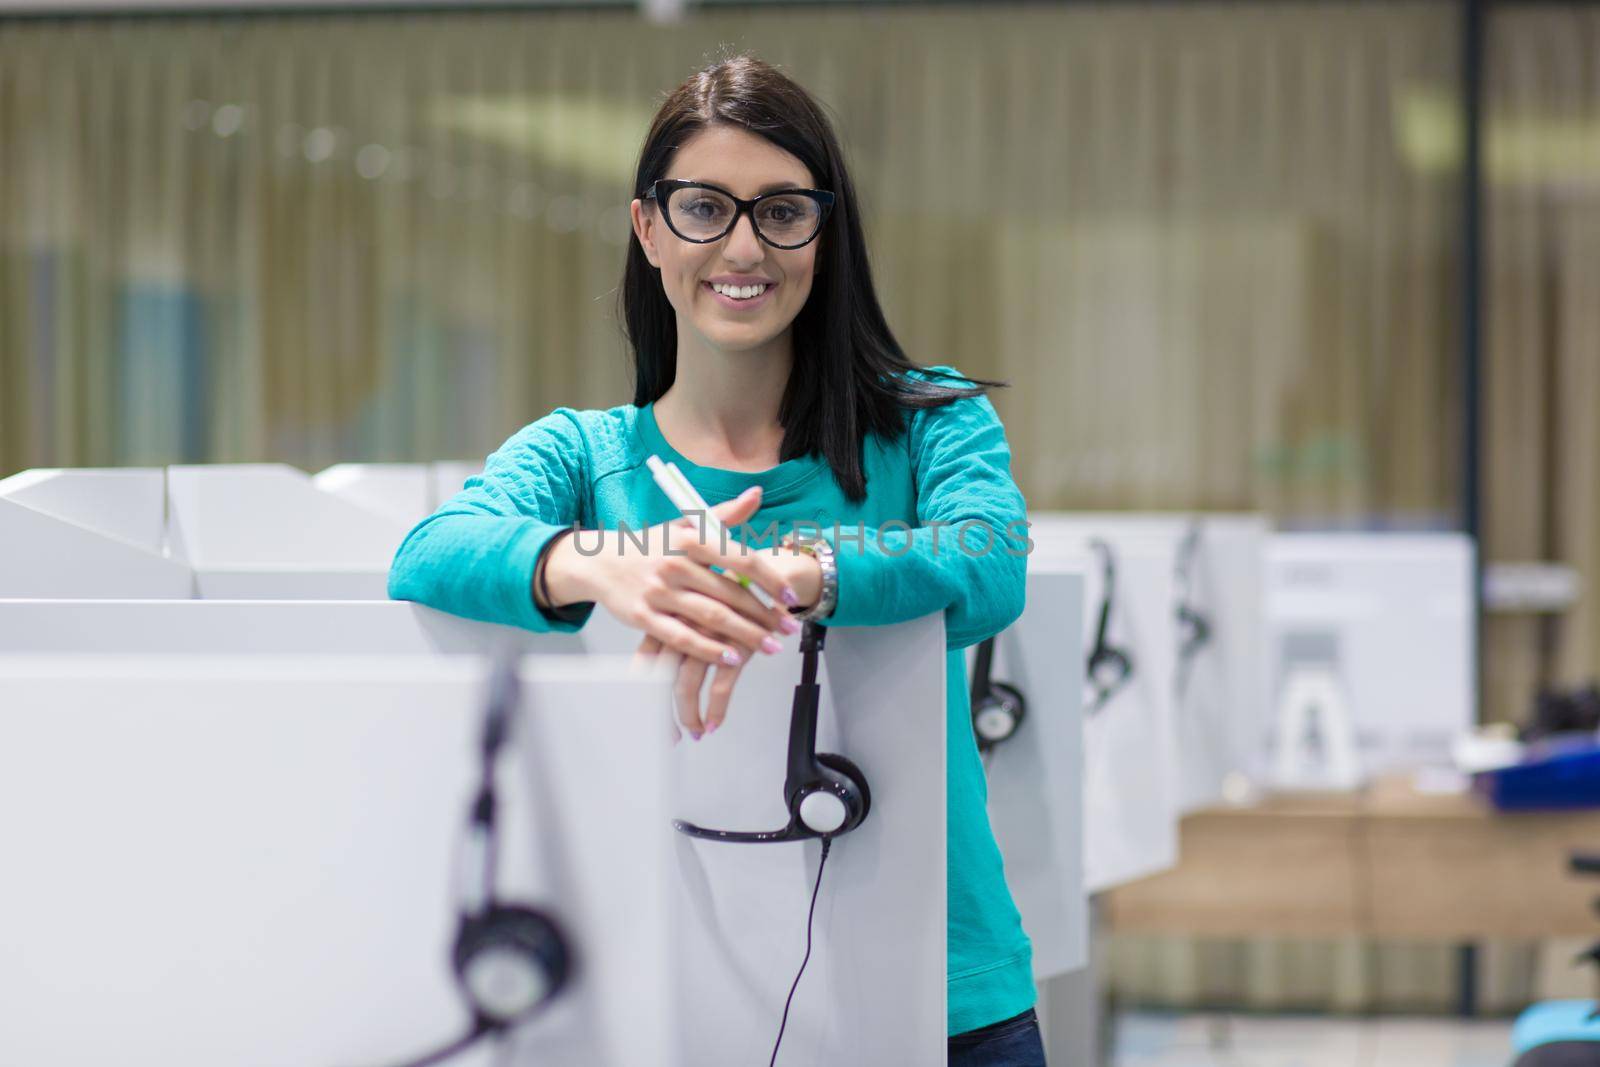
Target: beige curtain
(1542, 381)
(1213, 244)
(1190, 232)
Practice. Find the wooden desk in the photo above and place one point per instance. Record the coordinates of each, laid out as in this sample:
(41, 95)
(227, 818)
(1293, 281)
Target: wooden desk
(1386, 862)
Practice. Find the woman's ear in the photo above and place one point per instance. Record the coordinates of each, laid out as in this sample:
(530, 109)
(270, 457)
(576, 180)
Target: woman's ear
(644, 228)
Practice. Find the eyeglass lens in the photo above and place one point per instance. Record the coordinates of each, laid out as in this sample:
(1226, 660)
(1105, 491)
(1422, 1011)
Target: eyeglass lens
(705, 214)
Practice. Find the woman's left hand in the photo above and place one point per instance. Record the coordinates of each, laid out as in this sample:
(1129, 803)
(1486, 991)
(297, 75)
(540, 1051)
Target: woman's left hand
(804, 575)
(690, 678)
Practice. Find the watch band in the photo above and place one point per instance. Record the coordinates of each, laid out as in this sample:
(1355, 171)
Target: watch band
(822, 551)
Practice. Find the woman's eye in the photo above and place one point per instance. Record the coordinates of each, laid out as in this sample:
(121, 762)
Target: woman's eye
(705, 209)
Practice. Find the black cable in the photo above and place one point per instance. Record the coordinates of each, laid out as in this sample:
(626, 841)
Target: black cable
(445, 1052)
(827, 842)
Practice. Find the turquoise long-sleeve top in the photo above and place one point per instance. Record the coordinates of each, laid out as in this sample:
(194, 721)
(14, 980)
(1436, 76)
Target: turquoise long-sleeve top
(475, 557)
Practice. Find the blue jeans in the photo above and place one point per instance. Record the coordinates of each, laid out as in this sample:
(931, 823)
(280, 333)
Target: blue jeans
(1013, 1042)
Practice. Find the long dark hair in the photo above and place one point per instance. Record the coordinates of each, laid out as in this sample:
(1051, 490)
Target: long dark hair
(849, 376)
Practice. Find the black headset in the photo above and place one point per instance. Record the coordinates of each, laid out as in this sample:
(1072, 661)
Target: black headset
(1194, 629)
(997, 708)
(827, 795)
(509, 960)
(1110, 668)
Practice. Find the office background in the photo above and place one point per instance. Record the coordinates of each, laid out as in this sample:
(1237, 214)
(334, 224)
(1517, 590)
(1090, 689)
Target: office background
(1218, 248)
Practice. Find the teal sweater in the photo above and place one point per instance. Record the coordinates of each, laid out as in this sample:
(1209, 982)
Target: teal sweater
(475, 557)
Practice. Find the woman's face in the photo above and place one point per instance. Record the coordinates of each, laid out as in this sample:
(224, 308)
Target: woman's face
(745, 165)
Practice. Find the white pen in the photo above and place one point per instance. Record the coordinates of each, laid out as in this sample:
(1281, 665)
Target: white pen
(686, 499)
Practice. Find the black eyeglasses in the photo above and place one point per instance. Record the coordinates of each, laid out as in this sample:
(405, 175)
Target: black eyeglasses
(701, 213)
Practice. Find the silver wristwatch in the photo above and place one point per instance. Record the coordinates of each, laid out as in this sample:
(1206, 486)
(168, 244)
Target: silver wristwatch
(820, 549)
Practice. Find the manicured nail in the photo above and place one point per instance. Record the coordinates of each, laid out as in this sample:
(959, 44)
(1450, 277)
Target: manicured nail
(788, 625)
(712, 729)
(770, 646)
(790, 597)
(731, 658)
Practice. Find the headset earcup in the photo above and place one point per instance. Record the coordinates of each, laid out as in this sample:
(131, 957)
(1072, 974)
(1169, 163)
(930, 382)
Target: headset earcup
(525, 938)
(1009, 697)
(838, 763)
(983, 722)
(1113, 660)
(1014, 696)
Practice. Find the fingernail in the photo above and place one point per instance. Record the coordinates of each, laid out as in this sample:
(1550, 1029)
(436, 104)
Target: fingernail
(788, 625)
(770, 646)
(712, 728)
(790, 597)
(694, 734)
(731, 658)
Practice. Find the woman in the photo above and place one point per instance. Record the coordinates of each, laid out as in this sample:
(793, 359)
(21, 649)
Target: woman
(766, 372)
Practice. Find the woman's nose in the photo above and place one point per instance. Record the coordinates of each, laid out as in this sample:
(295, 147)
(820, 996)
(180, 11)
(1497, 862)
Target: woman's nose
(743, 246)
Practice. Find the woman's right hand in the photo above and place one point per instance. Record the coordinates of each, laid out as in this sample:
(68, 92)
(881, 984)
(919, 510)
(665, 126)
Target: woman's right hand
(676, 598)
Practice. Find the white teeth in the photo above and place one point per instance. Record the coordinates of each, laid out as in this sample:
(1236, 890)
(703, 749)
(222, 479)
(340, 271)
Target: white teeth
(739, 292)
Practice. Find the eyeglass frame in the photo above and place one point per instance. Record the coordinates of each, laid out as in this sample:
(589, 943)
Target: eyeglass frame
(823, 198)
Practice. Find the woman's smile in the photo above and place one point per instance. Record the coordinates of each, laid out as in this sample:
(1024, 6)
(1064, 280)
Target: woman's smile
(740, 298)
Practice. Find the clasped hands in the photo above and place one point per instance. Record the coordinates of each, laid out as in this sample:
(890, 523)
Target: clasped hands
(687, 612)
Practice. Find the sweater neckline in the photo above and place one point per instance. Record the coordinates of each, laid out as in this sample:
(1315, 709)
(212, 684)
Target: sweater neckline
(718, 484)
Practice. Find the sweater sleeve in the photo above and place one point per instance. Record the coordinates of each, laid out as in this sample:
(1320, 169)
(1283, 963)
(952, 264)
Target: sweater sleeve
(967, 555)
(475, 556)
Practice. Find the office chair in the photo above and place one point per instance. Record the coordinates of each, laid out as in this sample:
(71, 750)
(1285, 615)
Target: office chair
(1563, 1033)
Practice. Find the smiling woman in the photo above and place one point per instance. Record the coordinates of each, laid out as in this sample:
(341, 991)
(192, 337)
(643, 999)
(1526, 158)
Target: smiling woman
(738, 269)
(766, 372)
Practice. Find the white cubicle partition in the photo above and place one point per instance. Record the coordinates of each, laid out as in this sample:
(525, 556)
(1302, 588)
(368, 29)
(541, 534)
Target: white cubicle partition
(450, 475)
(1222, 705)
(409, 492)
(1388, 618)
(402, 491)
(274, 627)
(1036, 776)
(124, 503)
(87, 533)
(252, 861)
(1219, 712)
(874, 990)
(1130, 759)
(265, 531)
